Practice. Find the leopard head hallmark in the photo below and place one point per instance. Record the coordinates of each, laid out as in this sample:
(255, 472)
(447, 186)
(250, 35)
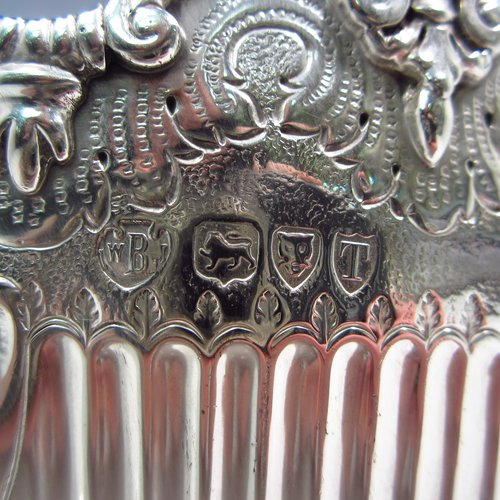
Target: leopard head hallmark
(296, 254)
(133, 252)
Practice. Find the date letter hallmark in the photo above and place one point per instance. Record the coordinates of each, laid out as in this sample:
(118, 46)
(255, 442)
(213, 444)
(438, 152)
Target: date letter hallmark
(353, 262)
(226, 252)
(133, 252)
(296, 255)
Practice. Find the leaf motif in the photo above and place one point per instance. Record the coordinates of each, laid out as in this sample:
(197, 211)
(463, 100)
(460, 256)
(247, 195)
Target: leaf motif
(380, 315)
(36, 300)
(268, 309)
(86, 310)
(208, 310)
(474, 315)
(324, 316)
(429, 117)
(429, 313)
(44, 119)
(31, 307)
(23, 315)
(146, 311)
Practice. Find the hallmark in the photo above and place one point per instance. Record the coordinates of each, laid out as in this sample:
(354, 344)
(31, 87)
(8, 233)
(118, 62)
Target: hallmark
(296, 254)
(226, 252)
(134, 252)
(353, 261)
(249, 253)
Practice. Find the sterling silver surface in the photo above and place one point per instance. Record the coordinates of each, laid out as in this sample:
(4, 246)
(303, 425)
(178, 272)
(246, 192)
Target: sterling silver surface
(251, 249)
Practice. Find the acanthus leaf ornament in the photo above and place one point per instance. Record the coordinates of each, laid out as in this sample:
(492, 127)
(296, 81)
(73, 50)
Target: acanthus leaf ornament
(429, 316)
(473, 316)
(145, 322)
(45, 64)
(431, 51)
(208, 312)
(86, 310)
(380, 315)
(37, 101)
(146, 312)
(31, 306)
(268, 310)
(324, 316)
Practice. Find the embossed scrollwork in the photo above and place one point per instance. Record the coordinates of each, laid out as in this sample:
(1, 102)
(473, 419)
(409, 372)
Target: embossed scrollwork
(291, 81)
(142, 33)
(481, 20)
(44, 67)
(37, 101)
(291, 78)
(429, 49)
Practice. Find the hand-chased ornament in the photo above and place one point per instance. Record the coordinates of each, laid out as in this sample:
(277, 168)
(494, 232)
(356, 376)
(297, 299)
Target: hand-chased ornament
(249, 249)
